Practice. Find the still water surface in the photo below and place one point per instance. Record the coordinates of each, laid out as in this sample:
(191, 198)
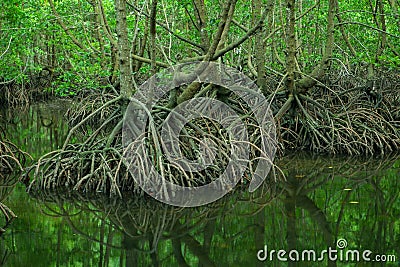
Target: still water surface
(324, 200)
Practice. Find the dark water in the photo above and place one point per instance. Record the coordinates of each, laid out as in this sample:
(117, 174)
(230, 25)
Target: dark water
(327, 203)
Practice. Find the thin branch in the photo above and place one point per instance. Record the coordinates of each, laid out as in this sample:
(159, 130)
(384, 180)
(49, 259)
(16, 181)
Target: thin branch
(65, 28)
(8, 47)
(232, 46)
(146, 60)
(166, 28)
(367, 26)
(240, 25)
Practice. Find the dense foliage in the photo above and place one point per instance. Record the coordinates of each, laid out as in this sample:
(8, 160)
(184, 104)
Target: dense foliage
(329, 69)
(70, 45)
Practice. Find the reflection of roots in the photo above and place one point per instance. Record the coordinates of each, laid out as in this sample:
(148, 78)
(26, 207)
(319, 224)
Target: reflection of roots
(95, 163)
(307, 167)
(139, 219)
(8, 215)
(11, 158)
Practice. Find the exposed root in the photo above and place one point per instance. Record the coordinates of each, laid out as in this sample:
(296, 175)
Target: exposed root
(95, 163)
(8, 215)
(335, 119)
(11, 158)
(91, 157)
(86, 105)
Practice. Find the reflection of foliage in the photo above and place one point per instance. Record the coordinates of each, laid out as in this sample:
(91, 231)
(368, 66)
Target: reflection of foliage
(7, 184)
(27, 131)
(36, 129)
(321, 198)
(344, 197)
(11, 159)
(140, 225)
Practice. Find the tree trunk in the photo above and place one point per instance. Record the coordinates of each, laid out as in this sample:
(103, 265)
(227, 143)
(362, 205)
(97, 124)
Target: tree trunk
(310, 80)
(126, 84)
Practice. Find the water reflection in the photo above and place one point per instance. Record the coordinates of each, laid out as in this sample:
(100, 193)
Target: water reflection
(36, 129)
(343, 198)
(7, 184)
(323, 200)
